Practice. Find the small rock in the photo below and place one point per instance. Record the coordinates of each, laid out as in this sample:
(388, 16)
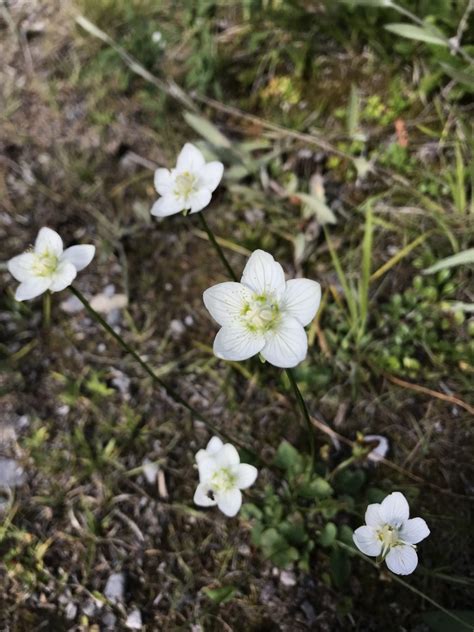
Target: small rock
(115, 587)
(71, 305)
(104, 303)
(11, 473)
(287, 578)
(70, 611)
(177, 328)
(150, 471)
(134, 620)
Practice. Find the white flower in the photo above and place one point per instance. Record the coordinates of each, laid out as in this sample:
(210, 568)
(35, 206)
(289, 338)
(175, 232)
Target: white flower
(222, 476)
(389, 533)
(263, 313)
(380, 451)
(47, 266)
(187, 187)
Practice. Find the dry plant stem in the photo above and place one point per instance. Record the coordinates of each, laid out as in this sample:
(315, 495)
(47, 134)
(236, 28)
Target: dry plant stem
(402, 582)
(169, 391)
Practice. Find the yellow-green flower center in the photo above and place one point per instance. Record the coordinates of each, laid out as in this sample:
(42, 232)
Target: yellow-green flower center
(45, 264)
(261, 313)
(185, 184)
(223, 480)
(388, 535)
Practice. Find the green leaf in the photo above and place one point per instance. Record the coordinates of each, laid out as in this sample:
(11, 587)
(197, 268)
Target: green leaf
(350, 481)
(461, 76)
(288, 457)
(316, 488)
(379, 4)
(207, 130)
(418, 33)
(318, 208)
(328, 534)
(276, 548)
(340, 567)
(220, 595)
(465, 257)
(442, 622)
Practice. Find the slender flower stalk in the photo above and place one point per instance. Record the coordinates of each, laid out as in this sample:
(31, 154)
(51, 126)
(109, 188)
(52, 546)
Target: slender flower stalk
(128, 349)
(47, 310)
(217, 248)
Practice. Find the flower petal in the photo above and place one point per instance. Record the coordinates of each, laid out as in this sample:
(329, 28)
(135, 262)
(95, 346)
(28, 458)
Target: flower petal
(301, 299)
(199, 200)
(48, 241)
(229, 502)
(227, 456)
(190, 159)
(32, 288)
(201, 497)
(402, 559)
(225, 301)
(366, 540)
(235, 342)
(214, 445)
(167, 205)
(211, 174)
(394, 509)
(207, 468)
(372, 515)
(287, 345)
(20, 267)
(163, 181)
(414, 531)
(79, 256)
(263, 274)
(246, 475)
(63, 276)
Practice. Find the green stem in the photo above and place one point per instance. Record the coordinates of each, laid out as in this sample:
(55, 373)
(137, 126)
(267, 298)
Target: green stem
(304, 412)
(47, 309)
(169, 391)
(406, 585)
(218, 249)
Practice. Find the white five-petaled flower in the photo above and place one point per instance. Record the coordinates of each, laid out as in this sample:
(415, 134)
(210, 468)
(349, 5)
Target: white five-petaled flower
(47, 266)
(222, 476)
(263, 313)
(390, 534)
(187, 187)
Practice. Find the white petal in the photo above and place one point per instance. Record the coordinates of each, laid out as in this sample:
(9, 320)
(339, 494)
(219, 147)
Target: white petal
(286, 345)
(201, 497)
(20, 267)
(79, 256)
(380, 451)
(414, 531)
(199, 200)
(49, 241)
(190, 159)
(394, 509)
(167, 205)
(229, 502)
(211, 175)
(214, 445)
(225, 301)
(263, 274)
(64, 276)
(32, 288)
(372, 515)
(235, 342)
(402, 559)
(366, 540)
(227, 456)
(207, 467)
(246, 475)
(301, 299)
(164, 181)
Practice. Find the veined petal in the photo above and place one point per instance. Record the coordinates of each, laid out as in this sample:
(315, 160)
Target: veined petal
(199, 200)
(402, 559)
(190, 159)
(206, 467)
(31, 288)
(225, 301)
(48, 241)
(214, 445)
(394, 509)
(246, 475)
(235, 342)
(366, 540)
(286, 345)
(372, 515)
(301, 299)
(414, 531)
(163, 181)
(79, 256)
(229, 502)
(211, 175)
(20, 267)
(63, 276)
(227, 457)
(263, 275)
(167, 205)
(201, 497)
